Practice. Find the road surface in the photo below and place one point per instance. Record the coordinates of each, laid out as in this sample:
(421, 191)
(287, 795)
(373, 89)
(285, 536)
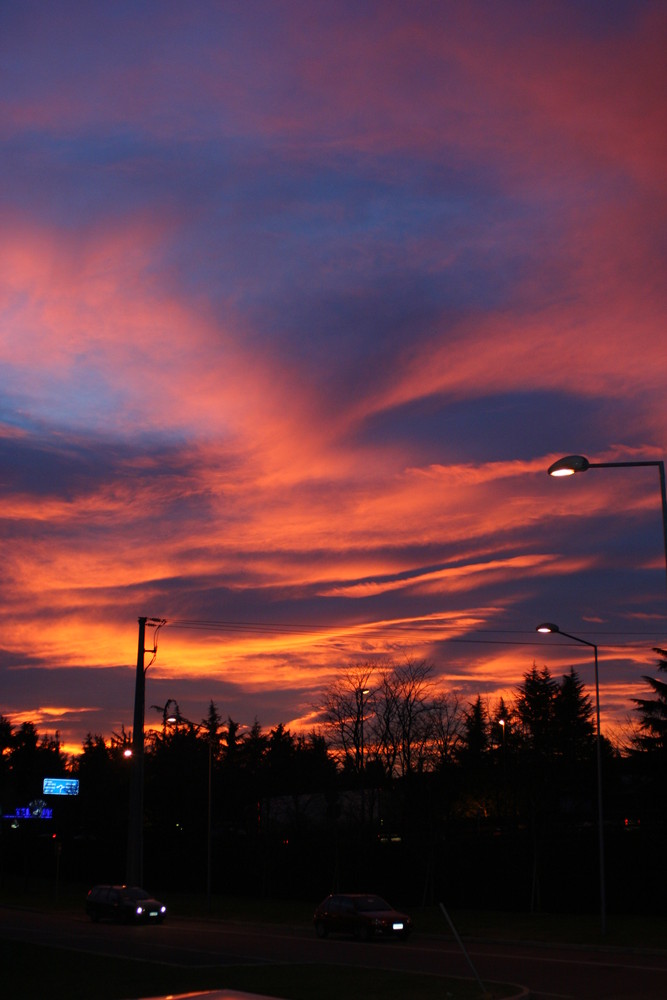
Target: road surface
(550, 973)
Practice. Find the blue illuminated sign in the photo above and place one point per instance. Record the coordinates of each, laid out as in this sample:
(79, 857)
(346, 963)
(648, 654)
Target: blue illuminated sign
(29, 812)
(61, 786)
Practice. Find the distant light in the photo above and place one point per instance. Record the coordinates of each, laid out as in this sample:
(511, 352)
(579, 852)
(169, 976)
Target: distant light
(127, 752)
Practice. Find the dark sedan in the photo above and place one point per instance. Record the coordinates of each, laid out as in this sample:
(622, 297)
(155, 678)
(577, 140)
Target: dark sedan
(365, 916)
(124, 904)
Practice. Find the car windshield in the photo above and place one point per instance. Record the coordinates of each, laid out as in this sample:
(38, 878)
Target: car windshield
(135, 893)
(372, 904)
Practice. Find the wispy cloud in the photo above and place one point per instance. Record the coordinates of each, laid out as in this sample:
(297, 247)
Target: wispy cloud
(297, 305)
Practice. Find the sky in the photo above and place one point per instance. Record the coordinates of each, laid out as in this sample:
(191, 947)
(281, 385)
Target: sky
(298, 303)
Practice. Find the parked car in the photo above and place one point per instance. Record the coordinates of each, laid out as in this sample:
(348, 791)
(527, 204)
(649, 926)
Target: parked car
(365, 916)
(124, 904)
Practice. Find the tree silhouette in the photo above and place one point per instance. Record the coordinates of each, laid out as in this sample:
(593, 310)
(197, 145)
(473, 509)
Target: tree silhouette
(652, 736)
(343, 709)
(404, 719)
(475, 740)
(575, 730)
(536, 712)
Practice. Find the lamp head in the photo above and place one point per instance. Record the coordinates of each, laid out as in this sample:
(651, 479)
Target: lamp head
(569, 465)
(547, 627)
(172, 712)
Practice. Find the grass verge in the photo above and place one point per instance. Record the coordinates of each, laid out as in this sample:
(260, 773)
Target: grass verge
(33, 972)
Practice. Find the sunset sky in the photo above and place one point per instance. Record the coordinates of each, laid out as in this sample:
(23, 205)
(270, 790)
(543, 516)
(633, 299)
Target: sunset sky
(298, 302)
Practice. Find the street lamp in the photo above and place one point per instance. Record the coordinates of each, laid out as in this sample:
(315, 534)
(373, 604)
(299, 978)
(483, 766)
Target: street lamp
(503, 724)
(549, 627)
(170, 714)
(572, 464)
(361, 694)
(174, 717)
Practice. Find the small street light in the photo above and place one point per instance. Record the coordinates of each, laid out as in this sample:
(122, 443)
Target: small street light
(171, 714)
(360, 695)
(549, 627)
(503, 728)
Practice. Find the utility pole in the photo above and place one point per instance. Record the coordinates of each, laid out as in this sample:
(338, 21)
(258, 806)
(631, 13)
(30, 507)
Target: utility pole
(135, 830)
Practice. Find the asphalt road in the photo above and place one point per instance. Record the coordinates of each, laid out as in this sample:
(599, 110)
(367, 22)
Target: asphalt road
(551, 973)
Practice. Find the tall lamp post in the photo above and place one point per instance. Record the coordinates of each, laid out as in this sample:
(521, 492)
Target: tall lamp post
(572, 464)
(175, 717)
(550, 627)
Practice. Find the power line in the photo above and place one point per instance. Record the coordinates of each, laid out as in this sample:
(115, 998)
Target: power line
(283, 628)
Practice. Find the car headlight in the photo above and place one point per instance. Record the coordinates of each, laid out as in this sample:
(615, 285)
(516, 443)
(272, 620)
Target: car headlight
(139, 910)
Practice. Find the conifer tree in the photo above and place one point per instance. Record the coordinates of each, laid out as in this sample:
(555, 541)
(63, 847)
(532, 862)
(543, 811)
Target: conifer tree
(652, 736)
(575, 730)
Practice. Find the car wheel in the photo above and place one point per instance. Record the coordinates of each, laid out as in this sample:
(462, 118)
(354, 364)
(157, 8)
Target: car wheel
(321, 929)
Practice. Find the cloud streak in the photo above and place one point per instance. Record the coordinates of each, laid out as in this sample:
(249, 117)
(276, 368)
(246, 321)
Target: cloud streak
(297, 305)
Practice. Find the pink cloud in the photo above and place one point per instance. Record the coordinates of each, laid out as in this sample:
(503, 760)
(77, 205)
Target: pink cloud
(607, 276)
(271, 497)
(473, 77)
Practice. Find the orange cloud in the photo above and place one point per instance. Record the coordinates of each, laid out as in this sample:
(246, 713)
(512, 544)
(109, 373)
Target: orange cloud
(236, 467)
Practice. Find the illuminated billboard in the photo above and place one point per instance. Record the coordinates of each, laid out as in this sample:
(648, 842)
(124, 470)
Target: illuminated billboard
(61, 786)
